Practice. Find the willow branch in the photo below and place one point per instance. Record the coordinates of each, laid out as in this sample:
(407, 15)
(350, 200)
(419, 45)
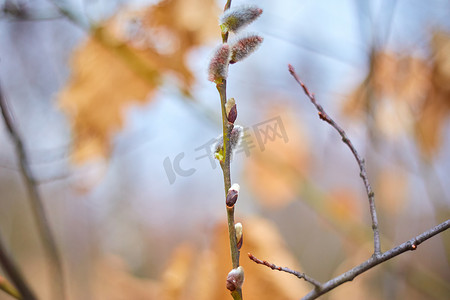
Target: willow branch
(226, 168)
(307, 278)
(320, 289)
(36, 202)
(363, 174)
(410, 245)
(23, 290)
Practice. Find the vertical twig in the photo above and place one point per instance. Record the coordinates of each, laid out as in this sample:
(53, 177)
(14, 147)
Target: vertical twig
(36, 203)
(226, 168)
(15, 275)
(363, 174)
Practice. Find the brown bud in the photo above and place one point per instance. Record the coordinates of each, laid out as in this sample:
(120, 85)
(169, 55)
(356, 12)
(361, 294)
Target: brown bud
(232, 195)
(230, 109)
(232, 115)
(235, 279)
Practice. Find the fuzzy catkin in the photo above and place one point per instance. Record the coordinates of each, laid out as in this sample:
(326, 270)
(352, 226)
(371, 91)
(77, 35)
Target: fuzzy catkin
(218, 66)
(237, 18)
(244, 47)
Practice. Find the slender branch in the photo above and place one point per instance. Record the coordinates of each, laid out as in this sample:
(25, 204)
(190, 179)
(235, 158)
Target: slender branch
(410, 245)
(307, 278)
(226, 168)
(363, 174)
(320, 289)
(10, 268)
(36, 202)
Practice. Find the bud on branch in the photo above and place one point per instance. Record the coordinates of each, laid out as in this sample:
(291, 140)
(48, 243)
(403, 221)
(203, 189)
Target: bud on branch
(231, 110)
(235, 279)
(239, 235)
(232, 195)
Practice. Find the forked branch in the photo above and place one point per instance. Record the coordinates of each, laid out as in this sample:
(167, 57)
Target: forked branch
(323, 288)
(378, 257)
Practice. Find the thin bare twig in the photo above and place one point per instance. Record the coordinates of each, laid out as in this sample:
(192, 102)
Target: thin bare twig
(363, 174)
(410, 245)
(15, 275)
(320, 289)
(36, 203)
(307, 278)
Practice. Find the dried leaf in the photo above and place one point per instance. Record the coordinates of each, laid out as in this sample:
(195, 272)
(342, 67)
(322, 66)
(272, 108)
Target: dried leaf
(112, 281)
(345, 207)
(122, 64)
(405, 94)
(392, 92)
(392, 190)
(205, 273)
(274, 173)
(436, 108)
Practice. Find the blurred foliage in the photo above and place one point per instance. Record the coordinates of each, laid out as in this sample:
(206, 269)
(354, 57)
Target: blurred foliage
(122, 63)
(406, 94)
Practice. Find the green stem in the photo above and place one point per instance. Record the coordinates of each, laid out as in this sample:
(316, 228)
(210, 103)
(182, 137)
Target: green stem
(226, 168)
(8, 288)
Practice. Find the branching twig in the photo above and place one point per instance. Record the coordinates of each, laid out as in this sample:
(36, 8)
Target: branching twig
(370, 194)
(307, 278)
(10, 268)
(320, 289)
(376, 260)
(378, 257)
(36, 203)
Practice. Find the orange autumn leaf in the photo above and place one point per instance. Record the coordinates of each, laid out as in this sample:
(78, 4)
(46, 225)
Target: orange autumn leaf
(280, 167)
(392, 91)
(200, 273)
(436, 108)
(392, 190)
(123, 62)
(113, 281)
(407, 95)
(345, 207)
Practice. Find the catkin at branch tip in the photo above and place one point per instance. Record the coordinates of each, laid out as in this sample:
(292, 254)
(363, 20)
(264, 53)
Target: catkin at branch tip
(238, 17)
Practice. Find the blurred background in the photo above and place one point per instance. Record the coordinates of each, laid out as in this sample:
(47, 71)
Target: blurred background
(112, 103)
